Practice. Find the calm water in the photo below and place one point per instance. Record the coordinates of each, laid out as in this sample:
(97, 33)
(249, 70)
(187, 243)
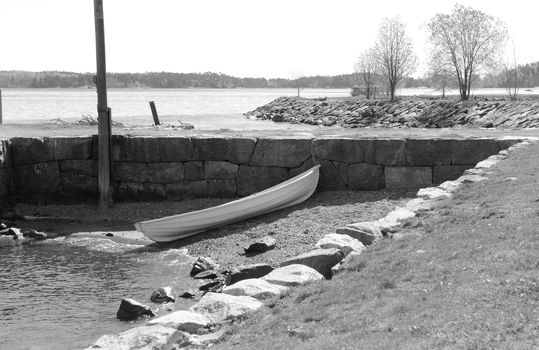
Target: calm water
(204, 108)
(64, 293)
(130, 106)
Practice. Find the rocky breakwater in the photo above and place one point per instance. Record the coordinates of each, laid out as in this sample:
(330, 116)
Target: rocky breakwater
(416, 112)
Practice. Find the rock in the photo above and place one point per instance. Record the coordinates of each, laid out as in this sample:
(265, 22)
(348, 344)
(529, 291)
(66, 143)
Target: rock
(219, 307)
(344, 243)
(260, 245)
(395, 217)
(189, 294)
(433, 193)
(366, 232)
(11, 231)
(163, 295)
(131, 310)
(471, 178)
(34, 234)
(450, 186)
(208, 274)
(256, 288)
(293, 275)
(215, 286)
(144, 338)
(203, 264)
(344, 263)
(322, 260)
(245, 272)
(183, 320)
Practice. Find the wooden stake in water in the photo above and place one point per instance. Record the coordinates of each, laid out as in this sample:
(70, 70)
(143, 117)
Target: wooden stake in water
(154, 113)
(103, 112)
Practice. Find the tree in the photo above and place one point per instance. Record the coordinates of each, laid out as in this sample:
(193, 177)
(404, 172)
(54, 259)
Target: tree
(366, 67)
(470, 40)
(512, 76)
(394, 53)
(440, 71)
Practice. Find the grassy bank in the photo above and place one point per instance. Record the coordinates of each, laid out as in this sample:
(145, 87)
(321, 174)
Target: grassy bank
(465, 275)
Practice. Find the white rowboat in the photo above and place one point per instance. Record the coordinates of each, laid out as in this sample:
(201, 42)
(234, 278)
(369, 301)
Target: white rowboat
(285, 194)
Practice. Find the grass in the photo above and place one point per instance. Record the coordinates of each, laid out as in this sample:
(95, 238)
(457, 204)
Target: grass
(468, 278)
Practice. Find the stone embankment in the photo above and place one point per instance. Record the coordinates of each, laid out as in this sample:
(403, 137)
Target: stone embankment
(422, 113)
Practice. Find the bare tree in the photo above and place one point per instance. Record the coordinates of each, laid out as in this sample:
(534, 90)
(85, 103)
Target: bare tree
(296, 76)
(440, 71)
(471, 40)
(366, 67)
(512, 76)
(394, 53)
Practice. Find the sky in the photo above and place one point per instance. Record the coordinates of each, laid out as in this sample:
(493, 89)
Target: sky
(243, 38)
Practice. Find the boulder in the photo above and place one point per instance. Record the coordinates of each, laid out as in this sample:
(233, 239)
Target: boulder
(144, 338)
(188, 294)
(183, 320)
(163, 295)
(11, 231)
(208, 274)
(219, 307)
(34, 234)
(322, 260)
(344, 243)
(293, 275)
(245, 272)
(215, 286)
(395, 217)
(450, 186)
(260, 245)
(366, 232)
(344, 263)
(471, 178)
(256, 288)
(203, 264)
(131, 310)
(433, 193)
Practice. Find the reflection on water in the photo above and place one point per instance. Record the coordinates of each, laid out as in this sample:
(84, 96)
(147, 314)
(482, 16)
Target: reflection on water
(64, 293)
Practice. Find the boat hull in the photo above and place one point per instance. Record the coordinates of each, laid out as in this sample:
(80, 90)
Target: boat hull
(285, 194)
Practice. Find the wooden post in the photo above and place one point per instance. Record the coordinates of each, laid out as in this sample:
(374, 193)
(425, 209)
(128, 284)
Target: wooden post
(154, 113)
(103, 112)
(0, 106)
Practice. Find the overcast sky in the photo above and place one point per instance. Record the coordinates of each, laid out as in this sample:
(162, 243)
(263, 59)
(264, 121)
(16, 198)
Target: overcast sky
(245, 38)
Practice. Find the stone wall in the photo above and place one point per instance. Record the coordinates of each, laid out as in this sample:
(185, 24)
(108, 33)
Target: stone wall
(174, 168)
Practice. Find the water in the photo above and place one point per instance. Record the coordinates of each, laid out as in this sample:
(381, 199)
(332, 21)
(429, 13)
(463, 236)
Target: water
(64, 293)
(130, 106)
(204, 108)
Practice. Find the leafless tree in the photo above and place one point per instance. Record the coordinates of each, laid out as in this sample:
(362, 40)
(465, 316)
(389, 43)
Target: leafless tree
(471, 40)
(512, 77)
(440, 71)
(366, 67)
(394, 53)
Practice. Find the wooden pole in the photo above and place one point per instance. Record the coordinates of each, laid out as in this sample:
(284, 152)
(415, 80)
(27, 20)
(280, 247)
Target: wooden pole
(154, 113)
(103, 112)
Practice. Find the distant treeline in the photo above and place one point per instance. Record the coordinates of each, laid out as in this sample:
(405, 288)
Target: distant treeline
(529, 77)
